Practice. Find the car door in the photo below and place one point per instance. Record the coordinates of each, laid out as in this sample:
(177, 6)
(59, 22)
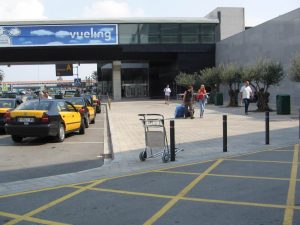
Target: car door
(65, 115)
(90, 108)
(74, 117)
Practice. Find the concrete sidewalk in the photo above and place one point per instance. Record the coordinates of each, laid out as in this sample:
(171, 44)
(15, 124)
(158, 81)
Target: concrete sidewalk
(201, 139)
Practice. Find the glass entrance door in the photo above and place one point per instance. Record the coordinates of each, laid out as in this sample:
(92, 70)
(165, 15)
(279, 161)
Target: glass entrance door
(135, 79)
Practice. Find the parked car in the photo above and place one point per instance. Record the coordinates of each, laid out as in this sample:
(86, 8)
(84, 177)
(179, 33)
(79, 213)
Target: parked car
(94, 101)
(6, 105)
(42, 118)
(84, 107)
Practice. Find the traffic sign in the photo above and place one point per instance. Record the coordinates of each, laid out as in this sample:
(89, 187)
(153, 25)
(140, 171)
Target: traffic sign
(77, 82)
(64, 70)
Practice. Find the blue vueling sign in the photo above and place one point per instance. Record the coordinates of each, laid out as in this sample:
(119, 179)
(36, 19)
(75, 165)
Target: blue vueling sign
(58, 35)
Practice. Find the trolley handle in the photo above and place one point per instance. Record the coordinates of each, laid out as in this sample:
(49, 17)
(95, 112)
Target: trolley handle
(151, 114)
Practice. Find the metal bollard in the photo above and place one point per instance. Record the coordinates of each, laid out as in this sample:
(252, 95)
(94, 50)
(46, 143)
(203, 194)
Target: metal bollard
(172, 140)
(224, 133)
(267, 128)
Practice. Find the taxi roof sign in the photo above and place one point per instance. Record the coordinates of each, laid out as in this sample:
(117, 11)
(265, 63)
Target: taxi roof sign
(64, 70)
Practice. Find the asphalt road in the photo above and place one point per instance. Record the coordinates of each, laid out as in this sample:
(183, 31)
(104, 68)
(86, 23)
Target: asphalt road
(41, 157)
(259, 188)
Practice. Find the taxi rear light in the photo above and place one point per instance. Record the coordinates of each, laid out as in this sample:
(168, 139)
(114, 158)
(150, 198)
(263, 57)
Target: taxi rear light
(45, 118)
(7, 117)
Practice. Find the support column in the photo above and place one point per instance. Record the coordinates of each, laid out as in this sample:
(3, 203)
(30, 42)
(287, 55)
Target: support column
(116, 80)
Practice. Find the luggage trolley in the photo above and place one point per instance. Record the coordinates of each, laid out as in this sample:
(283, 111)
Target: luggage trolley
(155, 137)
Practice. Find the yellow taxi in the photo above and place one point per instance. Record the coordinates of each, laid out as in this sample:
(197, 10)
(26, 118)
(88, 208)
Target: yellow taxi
(43, 118)
(7, 104)
(93, 99)
(85, 108)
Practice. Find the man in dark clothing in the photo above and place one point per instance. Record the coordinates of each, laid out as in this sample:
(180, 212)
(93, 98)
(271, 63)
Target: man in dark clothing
(188, 101)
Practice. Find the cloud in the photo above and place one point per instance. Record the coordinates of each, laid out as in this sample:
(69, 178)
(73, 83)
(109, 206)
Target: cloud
(95, 42)
(62, 33)
(55, 43)
(42, 32)
(21, 10)
(111, 8)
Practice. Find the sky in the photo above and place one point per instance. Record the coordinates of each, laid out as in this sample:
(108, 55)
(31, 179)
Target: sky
(256, 12)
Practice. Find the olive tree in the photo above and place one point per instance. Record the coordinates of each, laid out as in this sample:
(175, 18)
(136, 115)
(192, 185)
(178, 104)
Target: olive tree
(212, 78)
(295, 68)
(261, 76)
(231, 75)
(185, 79)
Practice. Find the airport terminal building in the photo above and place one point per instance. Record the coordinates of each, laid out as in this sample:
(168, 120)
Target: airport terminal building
(135, 57)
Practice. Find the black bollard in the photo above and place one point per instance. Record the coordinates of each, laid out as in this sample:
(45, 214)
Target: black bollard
(267, 128)
(172, 140)
(224, 133)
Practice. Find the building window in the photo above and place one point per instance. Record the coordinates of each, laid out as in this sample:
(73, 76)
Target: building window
(207, 33)
(149, 33)
(169, 33)
(189, 33)
(128, 33)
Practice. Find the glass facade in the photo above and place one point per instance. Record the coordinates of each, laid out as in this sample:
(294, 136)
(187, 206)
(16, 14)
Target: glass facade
(169, 33)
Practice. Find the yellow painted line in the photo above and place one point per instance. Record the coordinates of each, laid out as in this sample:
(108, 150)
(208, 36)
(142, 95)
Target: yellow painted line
(35, 191)
(30, 219)
(289, 211)
(233, 202)
(176, 172)
(184, 165)
(53, 203)
(181, 194)
(132, 193)
(258, 161)
(250, 177)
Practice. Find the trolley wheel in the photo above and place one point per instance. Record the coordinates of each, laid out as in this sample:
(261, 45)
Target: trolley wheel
(143, 156)
(165, 158)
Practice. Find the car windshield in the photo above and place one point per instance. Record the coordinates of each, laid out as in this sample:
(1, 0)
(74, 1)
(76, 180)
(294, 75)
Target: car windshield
(35, 105)
(76, 101)
(7, 103)
(9, 95)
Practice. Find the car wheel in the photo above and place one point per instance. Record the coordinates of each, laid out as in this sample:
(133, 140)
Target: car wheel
(82, 127)
(86, 122)
(16, 139)
(60, 137)
(94, 119)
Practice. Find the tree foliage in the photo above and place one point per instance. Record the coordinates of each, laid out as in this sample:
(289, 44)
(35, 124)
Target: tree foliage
(262, 75)
(185, 79)
(94, 75)
(212, 77)
(231, 75)
(295, 68)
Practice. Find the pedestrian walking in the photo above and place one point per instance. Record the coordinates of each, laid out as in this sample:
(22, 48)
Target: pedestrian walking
(188, 101)
(246, 95)
(167, 91)
(201, 97)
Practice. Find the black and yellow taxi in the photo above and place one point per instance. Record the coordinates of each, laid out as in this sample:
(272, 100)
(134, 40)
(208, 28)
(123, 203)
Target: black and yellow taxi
(95, 101)
(43, 118)
(6, 105)
(85, 108)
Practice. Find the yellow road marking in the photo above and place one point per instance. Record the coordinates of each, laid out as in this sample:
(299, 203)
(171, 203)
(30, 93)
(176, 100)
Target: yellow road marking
(132, 193)
(30, 219)
(234, 202)
(55, 202)
(226, 175)
(258, 161)
(181, 194)
(289, 211)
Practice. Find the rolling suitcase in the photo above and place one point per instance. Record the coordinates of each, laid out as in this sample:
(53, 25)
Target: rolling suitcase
(179, 111)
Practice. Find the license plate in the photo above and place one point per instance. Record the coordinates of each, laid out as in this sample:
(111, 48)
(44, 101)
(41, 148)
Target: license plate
(26, 120)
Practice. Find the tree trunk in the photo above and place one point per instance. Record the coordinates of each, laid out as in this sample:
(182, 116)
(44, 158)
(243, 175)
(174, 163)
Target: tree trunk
(262, 101)
(234, 96)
